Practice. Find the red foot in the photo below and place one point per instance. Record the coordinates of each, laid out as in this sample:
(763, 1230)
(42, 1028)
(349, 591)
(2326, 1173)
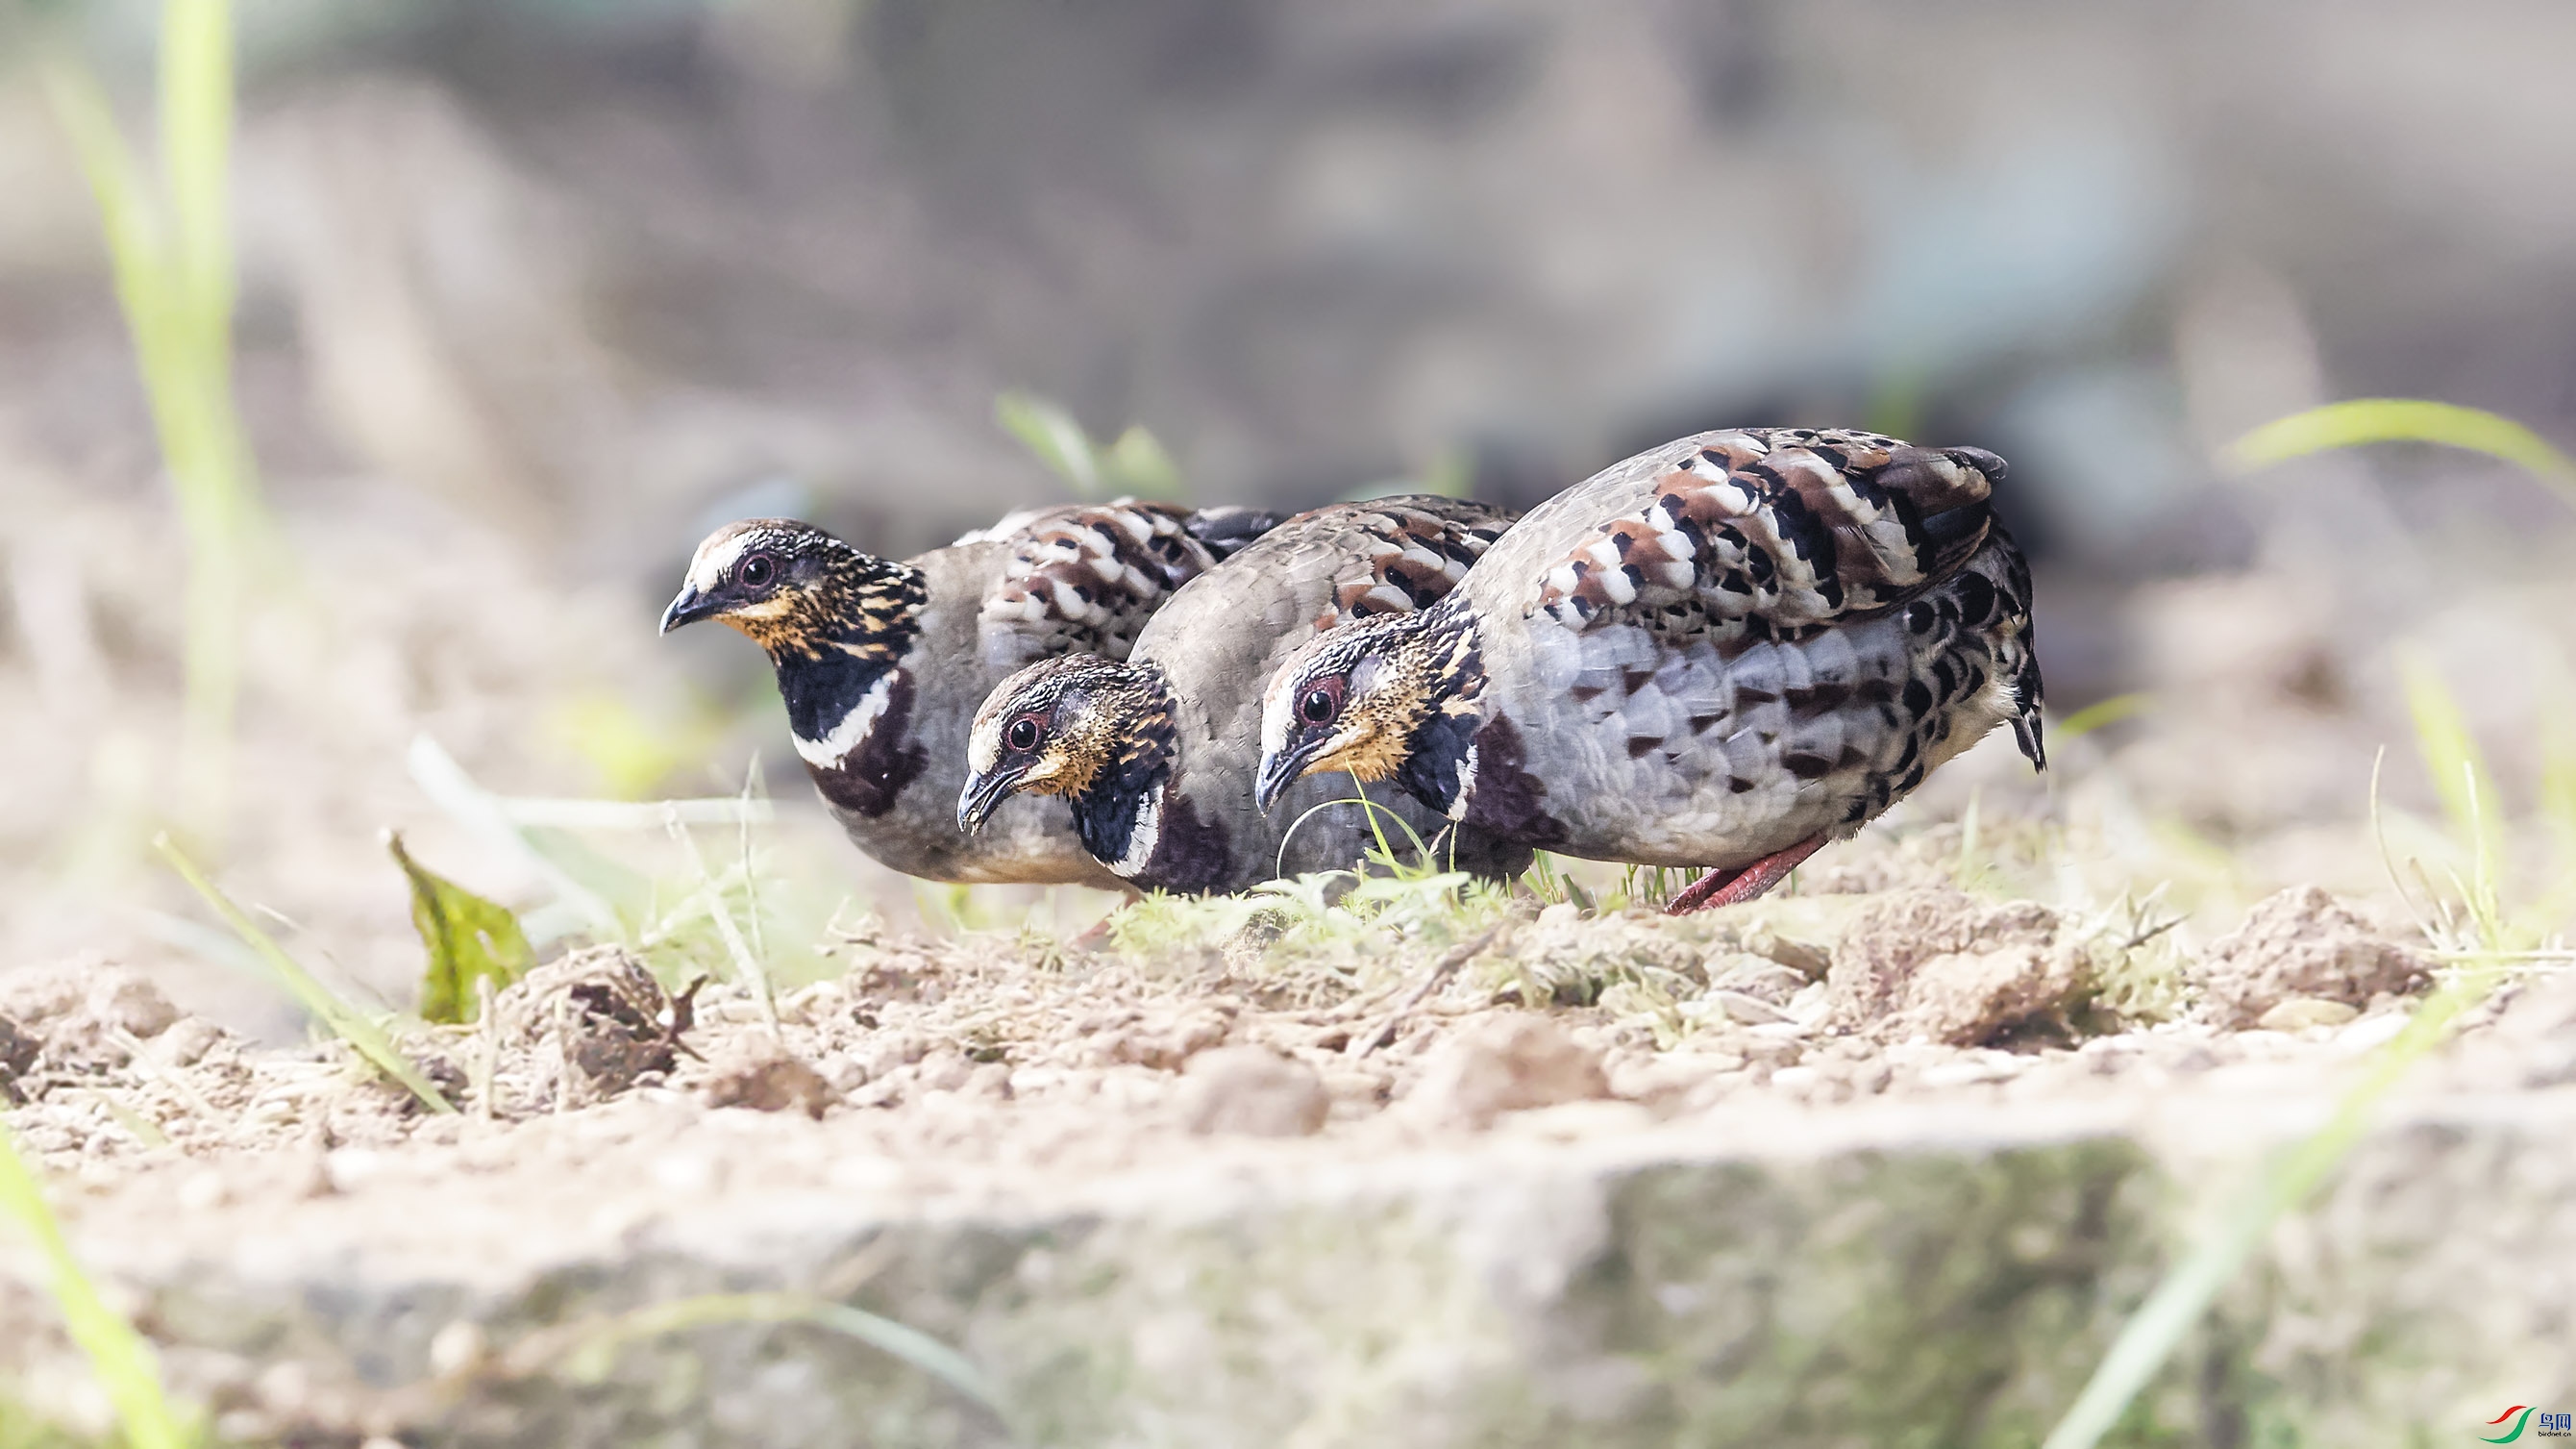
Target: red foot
(1737, 884)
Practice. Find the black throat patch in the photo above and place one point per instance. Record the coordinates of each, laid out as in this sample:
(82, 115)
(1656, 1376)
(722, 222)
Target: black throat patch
(868, 778)
(1106, 808)
(1451, 667)
(847, 635)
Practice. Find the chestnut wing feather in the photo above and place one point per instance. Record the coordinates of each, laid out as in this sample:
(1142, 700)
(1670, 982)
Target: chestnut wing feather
(1084, 578)
(1772, 532)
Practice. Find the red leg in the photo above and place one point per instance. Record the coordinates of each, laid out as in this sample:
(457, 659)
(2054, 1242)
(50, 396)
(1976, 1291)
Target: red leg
(1737, 884)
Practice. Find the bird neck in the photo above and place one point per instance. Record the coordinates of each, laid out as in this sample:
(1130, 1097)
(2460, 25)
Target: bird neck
(826, 691)
(1118, 811)
(1444, 670)
(834, 650)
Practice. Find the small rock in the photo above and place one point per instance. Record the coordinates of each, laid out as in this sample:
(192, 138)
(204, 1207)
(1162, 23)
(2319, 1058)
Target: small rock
(944, 1070)
(2370, 1033)
(2301, 942)
(1773, 1050)
(1797, 1079)
(773, 1084)
(122, 999)
(1756, 976)
(187, 1041)
(2298, 1013)
(1506, 1063)
(1745, 1009)
(1253, 1091)
(1970, 1072)
(1804, 957)
(350, 1169)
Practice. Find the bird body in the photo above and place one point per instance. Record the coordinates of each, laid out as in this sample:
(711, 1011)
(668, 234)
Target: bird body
(881, 663)
(1721, 652)
(1157, 754)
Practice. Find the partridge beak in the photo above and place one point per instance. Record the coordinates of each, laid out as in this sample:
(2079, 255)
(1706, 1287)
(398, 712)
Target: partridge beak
(984, 794)
(688, 608)
(1280, 771)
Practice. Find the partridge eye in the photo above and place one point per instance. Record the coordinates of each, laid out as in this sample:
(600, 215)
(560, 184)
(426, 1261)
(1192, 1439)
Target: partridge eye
(1317, 706)
(1023, 734)
(757, 570)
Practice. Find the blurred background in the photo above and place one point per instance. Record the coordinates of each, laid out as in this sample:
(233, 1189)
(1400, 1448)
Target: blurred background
(534, 292)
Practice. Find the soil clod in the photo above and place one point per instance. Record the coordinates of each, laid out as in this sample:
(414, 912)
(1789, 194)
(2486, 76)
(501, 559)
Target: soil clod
(2301, 943)
(772, 1084)
(1506, 1063)
(1253, 1092)
(1955, 970)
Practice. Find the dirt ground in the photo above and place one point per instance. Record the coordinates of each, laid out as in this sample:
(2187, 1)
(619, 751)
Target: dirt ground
(999, 1063)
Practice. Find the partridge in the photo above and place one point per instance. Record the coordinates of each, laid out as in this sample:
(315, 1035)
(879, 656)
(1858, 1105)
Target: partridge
(1722, 653)
(1156, 753)
(881, 663)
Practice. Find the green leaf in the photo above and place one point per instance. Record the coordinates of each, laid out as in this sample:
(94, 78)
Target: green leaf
(1048, 431)
(2360, 421)
(1137, 464)
(468, 939)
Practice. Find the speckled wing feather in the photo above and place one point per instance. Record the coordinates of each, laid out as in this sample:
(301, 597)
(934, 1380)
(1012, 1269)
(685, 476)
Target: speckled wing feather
(1085, 577)
(1407, 554)
(1770, 532)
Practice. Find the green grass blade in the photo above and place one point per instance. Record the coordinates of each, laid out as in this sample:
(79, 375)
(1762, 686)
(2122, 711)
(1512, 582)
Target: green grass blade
(1137, 464)
(117, 1354)
(2102, 713)
(2451, 754)
(196, 154)
(587, 1354)
(344, 1022)
(2362, 421)
(121, 190)
(173, 271)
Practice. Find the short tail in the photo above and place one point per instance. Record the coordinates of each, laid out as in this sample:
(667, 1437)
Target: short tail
(2027, 692)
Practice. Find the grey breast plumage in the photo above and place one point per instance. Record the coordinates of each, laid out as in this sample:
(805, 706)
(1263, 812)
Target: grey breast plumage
(1218, 642)
(1746, 639)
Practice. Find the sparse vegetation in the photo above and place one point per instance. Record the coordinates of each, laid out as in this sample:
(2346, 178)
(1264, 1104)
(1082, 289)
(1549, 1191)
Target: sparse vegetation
(118, 1356)
(171, 245)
